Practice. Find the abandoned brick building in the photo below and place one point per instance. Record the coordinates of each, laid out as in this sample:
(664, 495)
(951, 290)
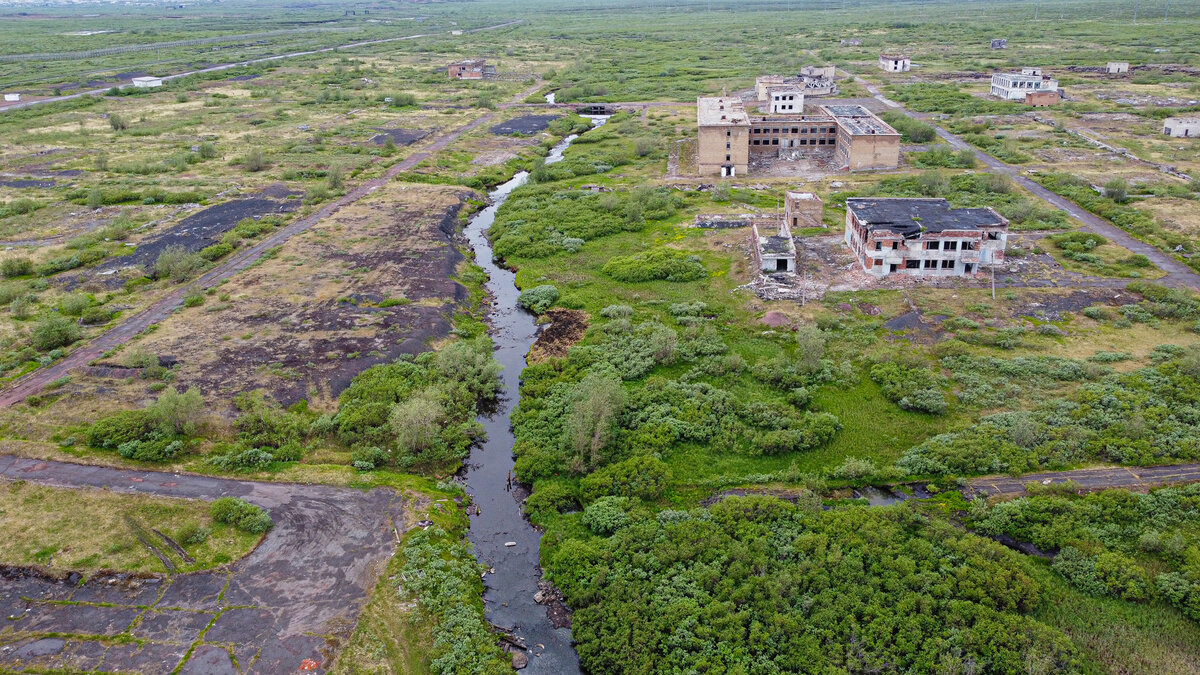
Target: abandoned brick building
(923, 237)
(850, 136)
(774, 252)
(895, 63)
(812, 81)
(471, 69)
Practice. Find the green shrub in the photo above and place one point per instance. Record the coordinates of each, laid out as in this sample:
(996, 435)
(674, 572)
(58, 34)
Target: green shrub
(16, 267)
(114, 430)
(538, 299)
(607, 515)
(216, 251)
(910, 387)
(54, 332)
(74, 304)
(641, 477)
(241, 514)
(665, 264)
(193, 300)
(177, 264)
(550, 498)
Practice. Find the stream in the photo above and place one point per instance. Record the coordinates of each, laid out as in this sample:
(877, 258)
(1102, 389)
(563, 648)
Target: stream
(504, 541)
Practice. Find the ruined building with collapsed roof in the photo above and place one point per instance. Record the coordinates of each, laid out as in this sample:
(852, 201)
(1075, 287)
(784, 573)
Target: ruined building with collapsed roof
(923, 237)
(851, 136)
(471, 69)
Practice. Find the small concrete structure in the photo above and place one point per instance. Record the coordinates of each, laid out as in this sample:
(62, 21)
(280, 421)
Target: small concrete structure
(851, 42)
(775, 253)
(10, 98)
(802, 209)
(1182, 127)
(923, 237)
(147, 82)
(999, 43)
(456, 32)
(895, 63)
(1042, 99)
(1117, 68)
(1014, 86)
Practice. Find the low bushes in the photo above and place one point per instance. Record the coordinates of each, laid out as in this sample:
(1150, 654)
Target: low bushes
(910, 387)
(658, 264)
(154, 434)
(241, 514)
(538, 299)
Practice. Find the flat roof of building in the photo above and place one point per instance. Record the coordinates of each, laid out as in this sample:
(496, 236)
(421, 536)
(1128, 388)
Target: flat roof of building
(911, 217)
(858, 121)
(890, 55)
(723, 110)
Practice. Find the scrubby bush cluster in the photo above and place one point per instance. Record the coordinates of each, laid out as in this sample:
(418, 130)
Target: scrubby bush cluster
(657, 264)
(680, 591)
(1132, 546)
(443, 575)
(538, 299)
(241, 514)
(417, 412)
(1151, 415)
(154, 434)
(910, 387)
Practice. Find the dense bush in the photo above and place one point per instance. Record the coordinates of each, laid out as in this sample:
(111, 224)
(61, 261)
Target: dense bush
(241, 514)
(1121, 418)
(681, 591)
(155, 434)
(640, 477)
(418, 411)
(607, 515)
(54, 332)
(441, 572)
(910, 387)
(538, 299)
(911, 130)
(657, 264)
(16, 267)
(177, 264)
(1113, 542)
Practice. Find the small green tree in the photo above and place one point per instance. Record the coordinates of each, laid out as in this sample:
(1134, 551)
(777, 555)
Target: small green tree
(1117, 190)
(54, 332)
(117, 122)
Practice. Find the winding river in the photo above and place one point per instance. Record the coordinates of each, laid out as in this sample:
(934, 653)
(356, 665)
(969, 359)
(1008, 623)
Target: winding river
(503, 539)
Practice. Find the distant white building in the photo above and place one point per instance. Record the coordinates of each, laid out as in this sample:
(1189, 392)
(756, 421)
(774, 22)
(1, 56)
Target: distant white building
(1117, 67)
(1182, 127)
(9, 98)
(895, 63)
(1015, 87)
(147, 82)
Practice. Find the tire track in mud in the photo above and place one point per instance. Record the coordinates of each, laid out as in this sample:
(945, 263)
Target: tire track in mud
(293, 600)
(35, 381)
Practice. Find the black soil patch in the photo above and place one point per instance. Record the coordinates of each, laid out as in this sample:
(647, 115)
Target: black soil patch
(566, 327)
(242, 78)
(206, 227)
(524, 125)
(1052, 306)
(27, 183)
(399, 136)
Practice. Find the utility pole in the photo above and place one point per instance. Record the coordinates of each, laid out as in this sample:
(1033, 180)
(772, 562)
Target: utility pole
(1135, 9)
(1036, 7)
(1167, 11)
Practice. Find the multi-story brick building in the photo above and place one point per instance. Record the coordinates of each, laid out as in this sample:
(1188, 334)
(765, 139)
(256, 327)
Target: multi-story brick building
(851, 136)
(923, 237)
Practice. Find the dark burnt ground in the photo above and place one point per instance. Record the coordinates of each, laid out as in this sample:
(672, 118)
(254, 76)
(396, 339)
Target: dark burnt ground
(524, 125)
(206, 227)
(27, 183)
(1051, 306)
(302, 324)
(296, 597)
(566, 328)
(399, 136)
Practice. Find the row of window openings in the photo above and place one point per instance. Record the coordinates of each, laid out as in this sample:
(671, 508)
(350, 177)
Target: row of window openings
(802, 141)
(794, 130)
(935, 245)
(917, 264)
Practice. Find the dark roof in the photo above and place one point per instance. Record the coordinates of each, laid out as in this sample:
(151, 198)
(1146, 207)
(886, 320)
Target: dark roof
(776, 245)
(911, 217)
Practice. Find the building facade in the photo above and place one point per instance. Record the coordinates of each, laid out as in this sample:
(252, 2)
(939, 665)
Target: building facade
(775, 252)
(785, 99)
(895, 63)
(1182, 127)
(1042, 99)
(1117, 68)
(802, 209)
(471, 69)
(851, 136)
(1014, 86)
(923, 237)
(147, 82)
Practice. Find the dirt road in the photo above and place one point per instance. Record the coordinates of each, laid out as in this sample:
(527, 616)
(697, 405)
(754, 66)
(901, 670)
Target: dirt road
(241, 259)
(1178, 274)
(297, 596)
(1128, 477)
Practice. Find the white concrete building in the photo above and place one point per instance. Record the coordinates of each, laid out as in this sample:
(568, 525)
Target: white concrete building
(1117, 67)
(1031, 71)
(1182, 127)
(776, 253)
(786, 99)
(923, 237)
(10, 98)
(895, 63)
(1014, 87)
(147, 82)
